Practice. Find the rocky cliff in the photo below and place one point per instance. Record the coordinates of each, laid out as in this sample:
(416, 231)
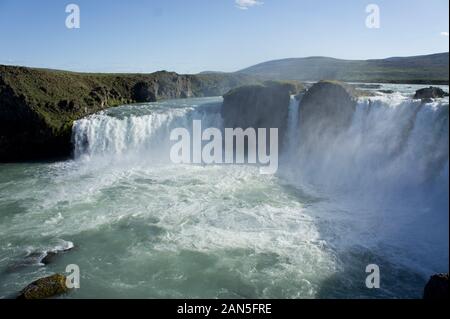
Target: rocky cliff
(38, 107)
(326, 110)
(437, 288)
(260, 106)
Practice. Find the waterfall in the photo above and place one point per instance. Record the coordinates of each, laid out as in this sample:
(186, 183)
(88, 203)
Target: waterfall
(390, 172)
(386, 173)
(139, 133)
(394, 143)
(292, 126)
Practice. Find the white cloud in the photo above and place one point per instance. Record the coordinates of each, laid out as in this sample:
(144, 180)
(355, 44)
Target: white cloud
(245, 4)
(444, 34)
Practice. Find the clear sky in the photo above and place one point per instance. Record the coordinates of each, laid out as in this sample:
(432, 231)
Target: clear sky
(190, 36)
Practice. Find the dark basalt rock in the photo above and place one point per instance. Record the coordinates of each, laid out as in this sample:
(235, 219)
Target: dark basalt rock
(143, 93)
(259, 106)
(44, 288)
(39, 258)
(437, 287)
(51, 256)
(430, 93)
(326, 110)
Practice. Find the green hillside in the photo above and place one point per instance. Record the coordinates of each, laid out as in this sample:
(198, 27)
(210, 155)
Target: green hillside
(419, 69)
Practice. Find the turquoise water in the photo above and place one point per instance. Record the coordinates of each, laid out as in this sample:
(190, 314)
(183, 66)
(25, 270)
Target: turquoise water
(143, 227)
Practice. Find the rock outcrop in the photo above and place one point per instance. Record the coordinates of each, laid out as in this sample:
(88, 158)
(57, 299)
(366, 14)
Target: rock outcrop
(259, 106)
(38, 107)
(326, 110)
(44, 288)
(51, 255)
(142, 92)
(430, 93)
(437, 287)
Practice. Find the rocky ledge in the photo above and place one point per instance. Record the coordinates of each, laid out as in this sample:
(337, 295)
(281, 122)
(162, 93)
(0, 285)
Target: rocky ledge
(43, 288)
(430, 93)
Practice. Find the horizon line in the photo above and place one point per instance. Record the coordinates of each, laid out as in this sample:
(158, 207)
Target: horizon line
(211, 71)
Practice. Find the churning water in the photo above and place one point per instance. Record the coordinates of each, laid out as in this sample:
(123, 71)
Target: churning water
(143, 227)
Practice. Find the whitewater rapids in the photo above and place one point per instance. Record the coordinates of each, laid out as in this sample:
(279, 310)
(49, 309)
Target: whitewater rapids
(143, 227)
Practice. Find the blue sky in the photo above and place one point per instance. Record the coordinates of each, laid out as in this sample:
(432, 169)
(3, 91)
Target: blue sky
(190, 36)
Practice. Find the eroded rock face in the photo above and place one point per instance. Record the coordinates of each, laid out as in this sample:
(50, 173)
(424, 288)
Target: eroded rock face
(326, 110)
(430, 93)
(143, 93)
(437, 287)
(45, 288)
(259, 106)
(174, 86)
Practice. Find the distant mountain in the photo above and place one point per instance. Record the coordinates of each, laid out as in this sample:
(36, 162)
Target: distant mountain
(432, 68)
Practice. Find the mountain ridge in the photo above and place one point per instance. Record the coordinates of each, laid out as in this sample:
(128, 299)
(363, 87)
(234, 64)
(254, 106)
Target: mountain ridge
(429, 69)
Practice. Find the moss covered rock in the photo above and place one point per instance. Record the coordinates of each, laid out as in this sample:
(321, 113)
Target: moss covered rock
(45, 288)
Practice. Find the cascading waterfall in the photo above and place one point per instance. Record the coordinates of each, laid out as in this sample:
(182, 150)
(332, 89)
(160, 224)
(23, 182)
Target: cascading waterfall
(142, 133)
(390, 170)
(387, 140)
(292, 132)
(394, 158)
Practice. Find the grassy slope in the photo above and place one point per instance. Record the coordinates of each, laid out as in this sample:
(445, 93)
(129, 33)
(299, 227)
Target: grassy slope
(420, 69)
(44, 90)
